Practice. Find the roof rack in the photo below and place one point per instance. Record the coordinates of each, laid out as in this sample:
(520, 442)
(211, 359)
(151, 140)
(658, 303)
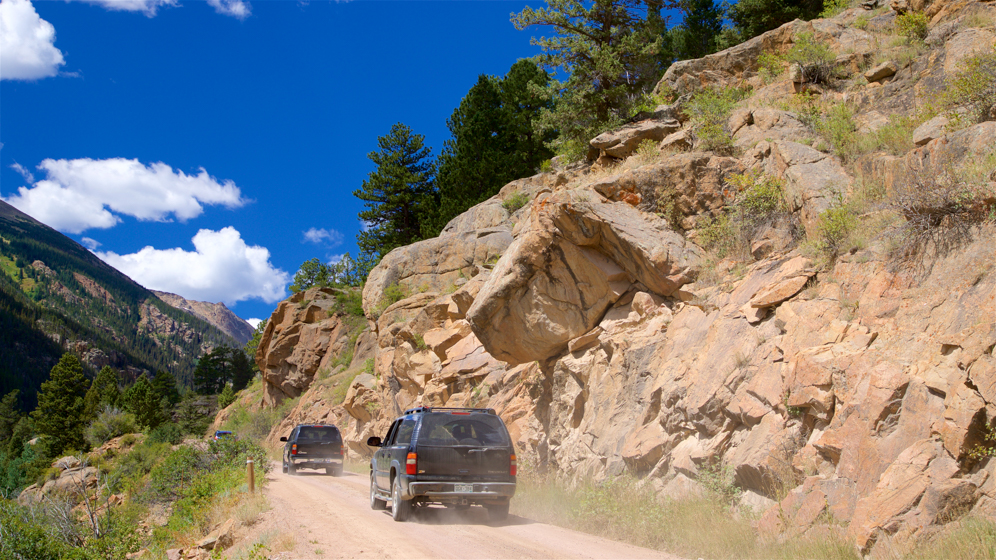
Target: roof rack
(419, 409)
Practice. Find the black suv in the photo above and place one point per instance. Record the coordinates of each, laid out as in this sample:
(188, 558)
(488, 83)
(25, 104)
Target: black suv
(313, 446)
(453, 456)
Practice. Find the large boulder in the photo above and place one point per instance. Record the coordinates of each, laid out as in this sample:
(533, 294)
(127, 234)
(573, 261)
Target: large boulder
(580, 254)
(622, 142)
(433, 265)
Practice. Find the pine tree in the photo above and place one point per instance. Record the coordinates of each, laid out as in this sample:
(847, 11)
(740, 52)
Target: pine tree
(753, 17)
(148, 407)
(697, 35)
(164, 384)
(226, 396)
(493, 141)
(59, 415)
(611, 51)
(212, 371)
(9, 414)
(241, 370)
(103, 392)
(399, 195)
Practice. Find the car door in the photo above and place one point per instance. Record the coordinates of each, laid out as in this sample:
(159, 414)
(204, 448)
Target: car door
(382, 459)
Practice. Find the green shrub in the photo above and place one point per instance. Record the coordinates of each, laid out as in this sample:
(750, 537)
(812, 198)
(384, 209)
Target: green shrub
(24, 536)
(833, 229)
(710, 110)
(166, 433)
(231, 452)
(913, 25)
(759, 202)
(349, 302)
(814, 58)
(834, 123)
(513, 203)
(110, 423)
(862, 21)
(971, 93)
(546, 166)
(177, 472)
(770, 66)
(833, 7)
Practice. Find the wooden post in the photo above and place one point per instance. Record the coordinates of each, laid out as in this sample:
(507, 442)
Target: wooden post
(251, 474)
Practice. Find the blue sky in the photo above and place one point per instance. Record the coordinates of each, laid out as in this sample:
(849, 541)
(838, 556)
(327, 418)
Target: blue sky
(208, 148)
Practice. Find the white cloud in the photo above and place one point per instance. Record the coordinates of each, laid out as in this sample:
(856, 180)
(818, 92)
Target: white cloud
(235, 8)
(148, 7)
(220, 268)
(254, 323)
(24, 172)
(27, 43)
(336, 259)
(91, 244)
(81, 194)
(328, 237)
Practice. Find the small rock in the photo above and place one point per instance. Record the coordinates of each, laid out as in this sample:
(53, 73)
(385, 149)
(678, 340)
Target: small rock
(930, 130)
(66, 463)
(681, 140)
(882, 71)
(795, 74)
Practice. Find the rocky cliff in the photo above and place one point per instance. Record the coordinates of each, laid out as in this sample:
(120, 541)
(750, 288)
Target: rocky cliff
(848, 381)
(214, 313)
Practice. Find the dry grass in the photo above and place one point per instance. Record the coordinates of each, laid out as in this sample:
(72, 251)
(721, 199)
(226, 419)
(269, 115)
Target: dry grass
(627, 511)
(971, 538)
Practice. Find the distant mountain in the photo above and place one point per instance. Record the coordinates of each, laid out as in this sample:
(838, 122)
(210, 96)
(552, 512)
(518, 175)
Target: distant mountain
(215, 313)
(55, 296)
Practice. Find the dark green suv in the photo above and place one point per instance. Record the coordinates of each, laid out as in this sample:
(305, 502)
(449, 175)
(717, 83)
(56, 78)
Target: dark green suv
(313, 446)
(457, 457)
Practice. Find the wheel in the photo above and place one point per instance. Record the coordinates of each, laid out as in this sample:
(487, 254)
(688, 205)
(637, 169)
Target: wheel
(284, 465)
(375, 502)
(337, 471)
(329, 471)
(291, 469)
(401, 510)
(498, 512)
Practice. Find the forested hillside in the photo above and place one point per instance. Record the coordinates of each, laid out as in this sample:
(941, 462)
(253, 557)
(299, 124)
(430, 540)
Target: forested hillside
(57, 296)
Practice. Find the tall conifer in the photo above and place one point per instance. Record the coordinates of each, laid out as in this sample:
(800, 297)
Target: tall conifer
(59, 415)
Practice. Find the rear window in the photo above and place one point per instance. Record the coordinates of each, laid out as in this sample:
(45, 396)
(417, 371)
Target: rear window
(318, 434)
(443, 429)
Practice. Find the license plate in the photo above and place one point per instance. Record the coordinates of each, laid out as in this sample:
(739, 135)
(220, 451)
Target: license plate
(463, 487)
(328, 460)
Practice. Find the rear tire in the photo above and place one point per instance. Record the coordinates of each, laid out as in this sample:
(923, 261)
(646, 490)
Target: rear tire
(337, 471)
(291, 469)
(498, 512)
(329, 471)
(284, 466)
(375, 503)
(401, 509)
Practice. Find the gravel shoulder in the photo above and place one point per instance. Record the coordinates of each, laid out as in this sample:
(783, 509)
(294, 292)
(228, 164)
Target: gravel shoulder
(320, 517)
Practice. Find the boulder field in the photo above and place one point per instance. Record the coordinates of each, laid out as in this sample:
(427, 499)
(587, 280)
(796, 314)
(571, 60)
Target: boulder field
(611, 342)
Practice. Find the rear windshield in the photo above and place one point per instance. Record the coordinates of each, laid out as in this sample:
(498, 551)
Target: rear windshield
(445, 429)
(318, 434)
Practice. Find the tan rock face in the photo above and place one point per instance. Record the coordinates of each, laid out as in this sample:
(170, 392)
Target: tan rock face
(624, 141)
(434, 265)
(303, 335)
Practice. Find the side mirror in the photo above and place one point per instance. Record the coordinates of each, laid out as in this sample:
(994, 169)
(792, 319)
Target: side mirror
(374, 441)
(283, 439)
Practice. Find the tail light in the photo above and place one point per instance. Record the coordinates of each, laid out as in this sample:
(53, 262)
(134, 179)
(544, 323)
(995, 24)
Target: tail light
(411, 464)
(294, 449)
(342, 450)
(513, 465)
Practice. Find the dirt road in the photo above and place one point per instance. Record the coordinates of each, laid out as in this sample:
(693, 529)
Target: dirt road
(330, 517)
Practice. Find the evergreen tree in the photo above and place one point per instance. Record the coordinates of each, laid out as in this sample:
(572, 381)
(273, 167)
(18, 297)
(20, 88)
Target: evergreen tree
(9, 414)
(103, 392)
(226, 396)
(241, 370)
(253, 345)
(212, 371)
(697, 35)
(399, 195)
(59, 415)
(611, 51)
(493, 141)
(753, 17)
(148, 407)
(164, 384)
(311, 274)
